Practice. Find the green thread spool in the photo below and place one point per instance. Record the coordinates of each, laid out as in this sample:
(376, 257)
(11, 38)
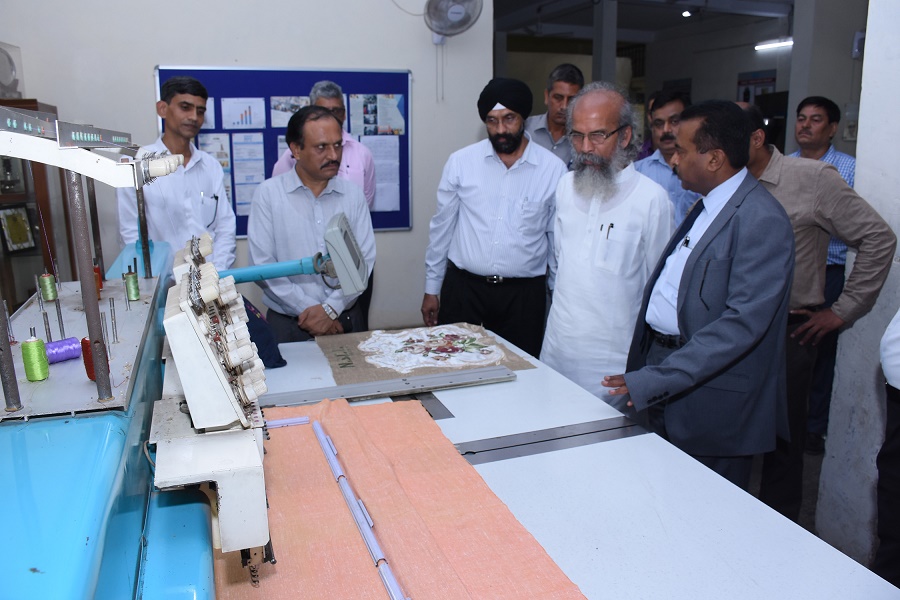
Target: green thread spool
(132, 286)
(48, 287)
(34, 355)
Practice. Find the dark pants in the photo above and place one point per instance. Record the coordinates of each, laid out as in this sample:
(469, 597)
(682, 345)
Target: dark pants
(735, 469)
(285, 328)
(823, 372)
(513, 309)
(887, 559)
(781, 486)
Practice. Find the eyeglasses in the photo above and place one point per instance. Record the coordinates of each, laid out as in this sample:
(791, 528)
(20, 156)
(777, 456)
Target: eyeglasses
(659, 123)
(597, 138)
(508, 119)
(338, 111)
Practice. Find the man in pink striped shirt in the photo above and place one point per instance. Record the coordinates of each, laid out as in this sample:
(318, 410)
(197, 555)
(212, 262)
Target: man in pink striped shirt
(357, 164)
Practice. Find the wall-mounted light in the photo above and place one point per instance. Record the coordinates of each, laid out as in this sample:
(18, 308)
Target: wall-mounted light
(772, 44)
(686, 14)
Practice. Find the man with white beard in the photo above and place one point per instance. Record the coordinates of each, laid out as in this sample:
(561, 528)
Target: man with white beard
(611, 225)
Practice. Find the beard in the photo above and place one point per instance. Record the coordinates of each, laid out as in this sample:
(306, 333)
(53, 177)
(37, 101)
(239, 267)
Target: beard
(595, 176)
(507, 143)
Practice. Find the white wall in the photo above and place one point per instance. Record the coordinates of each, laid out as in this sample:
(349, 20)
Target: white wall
(846, 514)
(823, 37)
(94, 60)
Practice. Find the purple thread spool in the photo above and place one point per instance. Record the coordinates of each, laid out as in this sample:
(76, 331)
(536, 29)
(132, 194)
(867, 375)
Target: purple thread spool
(61, 350)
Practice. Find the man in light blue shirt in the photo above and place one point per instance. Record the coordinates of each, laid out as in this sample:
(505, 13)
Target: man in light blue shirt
(665, 116)
(490, 239)
(817, 123)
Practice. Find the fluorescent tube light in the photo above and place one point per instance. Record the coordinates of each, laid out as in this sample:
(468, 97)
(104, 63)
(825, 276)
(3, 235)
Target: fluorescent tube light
(771, 44)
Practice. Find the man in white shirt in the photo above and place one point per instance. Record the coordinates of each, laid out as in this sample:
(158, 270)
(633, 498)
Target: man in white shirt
(287, 222)
(611, 225)
(887, 559)
(490, 237)
(192, 200)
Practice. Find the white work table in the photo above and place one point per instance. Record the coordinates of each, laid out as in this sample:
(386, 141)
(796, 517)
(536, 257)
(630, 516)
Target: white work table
(626, 517)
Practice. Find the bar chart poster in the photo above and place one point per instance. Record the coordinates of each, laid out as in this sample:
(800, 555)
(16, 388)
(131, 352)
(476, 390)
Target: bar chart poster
(243, 113)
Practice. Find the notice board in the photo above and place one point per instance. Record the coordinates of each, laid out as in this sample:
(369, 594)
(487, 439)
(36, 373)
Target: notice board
(247, 115)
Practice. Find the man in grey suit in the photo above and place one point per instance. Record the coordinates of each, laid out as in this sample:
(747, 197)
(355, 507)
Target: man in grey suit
(706, 366)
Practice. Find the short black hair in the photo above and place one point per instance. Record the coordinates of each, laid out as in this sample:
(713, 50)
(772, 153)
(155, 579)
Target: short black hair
(831, 109)
(664, 97)
(724, 127)
(756, 119)
(182, 85)
(567, 73)
(294, 133)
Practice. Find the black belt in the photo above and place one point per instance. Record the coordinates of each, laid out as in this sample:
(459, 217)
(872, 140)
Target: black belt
(667, 341)
(492, 278)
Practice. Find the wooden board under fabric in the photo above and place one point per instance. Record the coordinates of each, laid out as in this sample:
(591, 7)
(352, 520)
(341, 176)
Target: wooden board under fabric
(349, 364)
(444, 532)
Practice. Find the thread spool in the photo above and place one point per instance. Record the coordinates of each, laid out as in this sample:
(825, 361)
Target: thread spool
(88, 357)
(34, 355)
(48, 287)
(61, 350)
(132, 287)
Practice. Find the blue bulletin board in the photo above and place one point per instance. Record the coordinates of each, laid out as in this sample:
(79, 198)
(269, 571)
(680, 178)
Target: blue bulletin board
(247, 114)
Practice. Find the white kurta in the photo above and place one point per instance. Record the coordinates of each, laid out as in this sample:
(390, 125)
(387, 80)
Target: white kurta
(605, 252)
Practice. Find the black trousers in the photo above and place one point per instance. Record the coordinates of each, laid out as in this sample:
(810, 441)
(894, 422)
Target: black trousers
(285, 328)
(513, 309)
(781, 486)
(887, 559)
(736, 469)
(823, 372)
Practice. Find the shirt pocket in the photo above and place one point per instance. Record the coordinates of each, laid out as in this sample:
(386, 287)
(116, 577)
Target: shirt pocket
(615, 250)
(530, 217)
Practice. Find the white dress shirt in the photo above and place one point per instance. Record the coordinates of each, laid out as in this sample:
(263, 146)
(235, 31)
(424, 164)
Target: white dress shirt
(493, 220)
(189, 202)
(287, 222)
(662, 314)
(890, 352)
(606, 252)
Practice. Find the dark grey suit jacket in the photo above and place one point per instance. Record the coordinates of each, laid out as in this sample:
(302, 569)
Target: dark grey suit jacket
(725, 388)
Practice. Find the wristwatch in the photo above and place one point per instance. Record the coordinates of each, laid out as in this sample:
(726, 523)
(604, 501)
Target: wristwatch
(329, 311)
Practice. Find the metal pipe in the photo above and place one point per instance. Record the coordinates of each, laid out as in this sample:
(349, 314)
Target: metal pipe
(95, 226)
(88, 285)
(144, 233)
(8, 367)
(12, 336)
(59, 317)
(47, 331)
(112, 318)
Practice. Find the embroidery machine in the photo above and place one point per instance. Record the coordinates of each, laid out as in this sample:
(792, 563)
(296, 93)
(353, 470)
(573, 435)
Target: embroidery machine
(85, 520)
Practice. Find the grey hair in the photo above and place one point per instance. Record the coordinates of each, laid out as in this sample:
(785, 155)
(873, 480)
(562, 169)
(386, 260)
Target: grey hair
(626, 115)
(325, 89)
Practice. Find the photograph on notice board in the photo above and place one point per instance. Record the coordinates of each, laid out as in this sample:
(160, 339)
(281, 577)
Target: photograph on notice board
(249, 169)
(243, 113)
(282, 108)
(16, 229)
(377, 114)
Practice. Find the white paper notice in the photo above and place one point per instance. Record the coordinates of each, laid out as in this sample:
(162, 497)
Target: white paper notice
(209, 120)
(218, 145)
(386, 155)
(249, 169)
(243, 113)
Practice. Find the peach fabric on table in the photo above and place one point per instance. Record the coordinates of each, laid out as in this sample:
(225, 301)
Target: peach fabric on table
(443, 531)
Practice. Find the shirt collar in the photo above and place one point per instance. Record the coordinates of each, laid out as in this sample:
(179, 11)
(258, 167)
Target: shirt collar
(292, 183)
(719, 195)
(772, 172)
